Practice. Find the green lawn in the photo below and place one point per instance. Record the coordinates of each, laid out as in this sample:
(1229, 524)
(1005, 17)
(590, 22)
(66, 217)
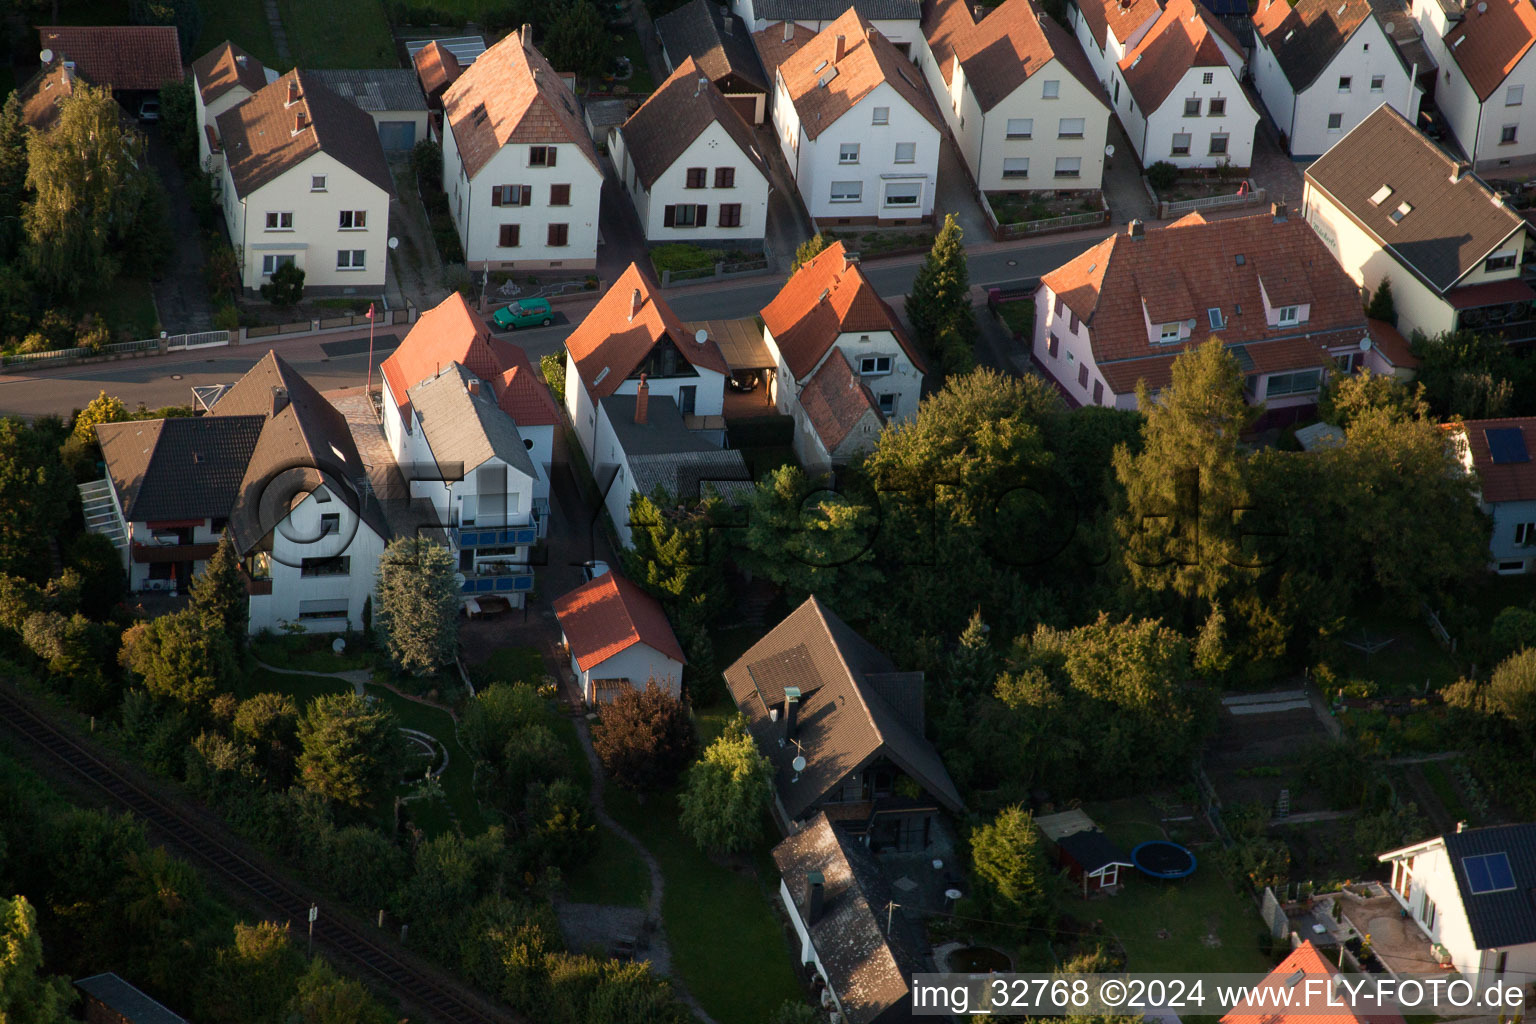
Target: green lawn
(338, 33)
(1438, 775)
(127, 304)
(242, 22)
(1210, 925)
(510, 665)
(640, 83)
(1401, 667)
(311, 653)
(615, 875)
(727, 945)
(1018, 316)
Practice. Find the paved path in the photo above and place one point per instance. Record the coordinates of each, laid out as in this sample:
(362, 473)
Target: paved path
(181, 292)
(1123, 189)
(358, 677)
(279, 34)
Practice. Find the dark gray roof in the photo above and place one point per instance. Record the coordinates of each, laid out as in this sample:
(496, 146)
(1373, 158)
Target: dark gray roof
(867, 963)
(672, 117)
(662, 433)
(1498, 919)
(121, 997)
(180, 468)
(467, 428)
(831, 10)
(1093, 850)
(1452, 226)
(854, 706)
(374, 89)
(718, 41)
(685, 475)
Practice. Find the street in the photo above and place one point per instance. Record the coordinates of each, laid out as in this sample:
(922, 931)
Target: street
(333, 362)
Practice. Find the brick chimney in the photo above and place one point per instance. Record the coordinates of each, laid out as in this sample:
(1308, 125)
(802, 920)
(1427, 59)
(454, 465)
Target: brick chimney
(1136, 229)
(526, 34)
(299, 121)
(698, 89)
(474, 385)
(1459, 170)
(634, 305)
(1280, 212)
(293, 90)
(279, 399)
(789, 31)
(642, 400)
(869, 34)
(841, 43)
(791, 709)
(815, 896)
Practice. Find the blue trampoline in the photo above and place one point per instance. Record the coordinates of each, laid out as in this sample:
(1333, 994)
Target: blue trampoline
(1163, 859)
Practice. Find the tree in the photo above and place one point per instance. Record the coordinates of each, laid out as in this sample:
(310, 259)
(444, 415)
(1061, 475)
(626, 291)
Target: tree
(1381, 306)
(1011, 869)
(939, 307)
(552, 365)
(1511, 692)
(285, 287)
(184, 14)
(34, 499)
(351, 749)
(219, 596)
(26, 996)
(452, 873)
(1513, 629)
(1347, 395)
(324, 997)
(251, 981)
(496, 713)
(13, 177)
(95, 558)
(269, 722)
(579, 40)
(1471, 375)
(178, 657)
(727, 792)
(178, 121)
(808, 250)
(645, 738)
(418, 608)
(89, 176)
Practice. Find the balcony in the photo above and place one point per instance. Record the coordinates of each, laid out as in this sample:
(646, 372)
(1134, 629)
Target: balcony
(153, 553)
(496, 578)
(493, 536)
(257, 586)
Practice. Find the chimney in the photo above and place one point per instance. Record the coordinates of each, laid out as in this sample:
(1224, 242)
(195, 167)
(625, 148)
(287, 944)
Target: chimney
(791, 706)
(727, 19)
(634, 305)
(279, 399)
(789, 31)
(293, 90)
(1280, 212)
(240, 60)
(869, 34)
(1136, 229)
(526, 34)
(474, 385)
(1461, 826)
(299, 121)
(815, 896)
(642, 400)
(842, 48)
(1459, 170)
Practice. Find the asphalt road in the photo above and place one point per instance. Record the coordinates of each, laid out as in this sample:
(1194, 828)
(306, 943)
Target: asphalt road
(331, 363)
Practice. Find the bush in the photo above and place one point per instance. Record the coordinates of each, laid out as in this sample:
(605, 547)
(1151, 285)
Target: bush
(645, 738)
(680, 256)
(1513, 629)
(286, 287)
(1162, 175)
(553, 366)
(226, 317)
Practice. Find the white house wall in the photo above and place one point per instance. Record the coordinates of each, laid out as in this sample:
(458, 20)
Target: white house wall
(208, 116)
(1074, 350)
(639, 663)
(290, 588)
(713, 148)
(1507, 515)
(904, 381)
(1497, 114)
(1152, 137)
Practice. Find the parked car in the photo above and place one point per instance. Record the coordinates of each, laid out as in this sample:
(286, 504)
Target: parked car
(149, 110)
(743, 381)
(524, 313)
(593, 569)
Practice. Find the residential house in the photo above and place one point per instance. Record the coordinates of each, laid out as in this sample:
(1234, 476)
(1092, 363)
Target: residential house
(41, 95)
(436, 69)
(134, 61)
(274, 465)
(520, 170)
(391, 96)
(1391, 205)
(1178, 92)
(1499, 453)
(996, 77)
(1469, 893)
(1120, 313)
(900, 21)
(857, 126)
(721, 45)
(840, 906)
(618, 638)
(1305, 965)
(1323, 65)
(1483, 51)
(843, 365)
(1109, 29)
(632, 333)
(305, 182)
(111, 1000)
(692, 167)
(843, 730)
(224, 77)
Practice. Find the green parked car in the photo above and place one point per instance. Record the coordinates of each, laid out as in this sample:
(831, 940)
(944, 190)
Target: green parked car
(527, 313)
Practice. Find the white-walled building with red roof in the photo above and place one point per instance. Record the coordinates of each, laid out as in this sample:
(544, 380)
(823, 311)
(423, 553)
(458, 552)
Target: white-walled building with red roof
(618, 637)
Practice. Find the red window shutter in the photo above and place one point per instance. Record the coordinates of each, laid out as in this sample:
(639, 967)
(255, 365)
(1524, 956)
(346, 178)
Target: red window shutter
(703, 220)
(1059, 305)
(1098, 392)
(669, 217)
(551, 160)
(1082, 375)
(495, 195)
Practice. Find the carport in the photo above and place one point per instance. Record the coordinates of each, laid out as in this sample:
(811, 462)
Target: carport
(391, 96)
(741, 342)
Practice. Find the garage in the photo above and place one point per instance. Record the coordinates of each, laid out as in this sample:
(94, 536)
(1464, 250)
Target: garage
(395, 136)
(391, 96)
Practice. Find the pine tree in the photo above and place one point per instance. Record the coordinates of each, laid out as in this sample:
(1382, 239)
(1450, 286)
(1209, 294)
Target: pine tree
(1381, 306)
(939, 307)
(13, 177)
(219, 595)
(418, 611)
(807, 251)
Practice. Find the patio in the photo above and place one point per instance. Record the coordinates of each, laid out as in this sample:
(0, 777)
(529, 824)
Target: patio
(1395, 937)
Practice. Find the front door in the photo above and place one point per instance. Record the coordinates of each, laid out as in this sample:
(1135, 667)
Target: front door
(685, 398)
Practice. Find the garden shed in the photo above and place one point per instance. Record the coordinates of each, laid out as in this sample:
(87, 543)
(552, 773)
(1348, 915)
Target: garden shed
(1090, 857)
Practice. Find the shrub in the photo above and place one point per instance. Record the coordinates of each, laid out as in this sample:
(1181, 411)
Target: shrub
(94, 333)
(680, 256)
(552, 365)
(286, 287)
(1162, 175)
(227, 317)
(645, 738)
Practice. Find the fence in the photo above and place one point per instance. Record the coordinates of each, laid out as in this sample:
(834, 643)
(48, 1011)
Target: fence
(1048, 225)
(202, 339)
(1170, 210)
(721, 269)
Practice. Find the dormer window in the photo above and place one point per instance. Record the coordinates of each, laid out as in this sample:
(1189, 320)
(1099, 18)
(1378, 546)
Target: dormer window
(1170, 333)
(1214, 315)
(1380, 196)
(1289, 316)
(1403, 210)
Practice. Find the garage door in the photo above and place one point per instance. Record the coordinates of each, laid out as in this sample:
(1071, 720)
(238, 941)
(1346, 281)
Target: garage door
(397, 135)
(746, 106)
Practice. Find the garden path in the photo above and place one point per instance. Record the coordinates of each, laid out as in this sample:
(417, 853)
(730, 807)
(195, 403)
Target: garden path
(357, 676)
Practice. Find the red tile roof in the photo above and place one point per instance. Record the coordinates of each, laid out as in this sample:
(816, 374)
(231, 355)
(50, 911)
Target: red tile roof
(223, 68)
(1184, 37)
(1487, 44)
(118, 56)
(1002, 51)
(1492, 293)
(1123, 18)
(827, 297)
(437, 68)
(608, 615)
(1310, 963)
(523, 396)
(773, 49)
(1510, 481)
(511, 94)
(1392, 344)
(869, 59)
(40, 97)
(835, 400)
(612, 341)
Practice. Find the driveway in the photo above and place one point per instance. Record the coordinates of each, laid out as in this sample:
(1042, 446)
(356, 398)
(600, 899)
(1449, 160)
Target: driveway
(789, 223)
(181, 293)
(1123, 189)
(1273, 170)
(620, 238)
(416, 270)
(956, 195)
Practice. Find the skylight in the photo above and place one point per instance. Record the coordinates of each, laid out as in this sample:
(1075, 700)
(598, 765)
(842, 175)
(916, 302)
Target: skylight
(1403, 210)
(1241, 259)
(1288, 35)
(1381, 195)
(1214, 316)
(1488, 873)
(1458, 42)
(601, 375)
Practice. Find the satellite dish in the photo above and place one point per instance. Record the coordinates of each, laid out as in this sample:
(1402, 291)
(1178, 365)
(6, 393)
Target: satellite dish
(338, 645)
(394, 243)
(46, 56)
(1365, 344)
(701, 335)
(1109, 151)
(1482, 8)
(953, 894)
(798, 764)
(1389, 27)
(458, 580)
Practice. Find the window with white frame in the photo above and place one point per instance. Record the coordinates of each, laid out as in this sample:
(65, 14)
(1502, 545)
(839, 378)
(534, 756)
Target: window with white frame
(903, 193)
(1192, 107)
(1015, 166)
(1070, 128)
(871, 365)
(1180, 145)
(1021, 127)
(1504, 260)
(1169, 333)
(1509, 134)
(847, 191)
(882, 115)
(1525, 534)
(1069, 166)
(1298, 383)
(1514, 96)
(351, 259)
(354, 220)
(1051, 90)
(317, 183)
(270, 263)
(279, 220)
(848, 153)
(1289, 316)
(906, 152)
(1378, 83)
(1335, 122)
(888, 404)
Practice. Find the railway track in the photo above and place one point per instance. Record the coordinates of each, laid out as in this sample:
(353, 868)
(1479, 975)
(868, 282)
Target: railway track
(350, 946)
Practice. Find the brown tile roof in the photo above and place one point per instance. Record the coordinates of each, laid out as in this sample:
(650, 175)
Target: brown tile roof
(844, 721)
(437, 68)
(1305, 960)
(716, 39)
(609, 615)
(1183, 37)
(223, 68)
(1002, 51)
(1451, 226)
(1392, 344)
(260, 142)
(1491, 293)
(118, 56)
(666, 124)
(773, 49)
(868, 60)
(1123, 18)
(1304, 38)
(1508, 481)
(1181, 271)
(610, 342)
(41, 95)
(511, 94)
(1488, 45)
(836, 400)
(824, 298)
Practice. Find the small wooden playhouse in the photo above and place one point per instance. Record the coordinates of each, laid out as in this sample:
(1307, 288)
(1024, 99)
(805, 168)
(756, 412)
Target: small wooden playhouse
(1090, 857)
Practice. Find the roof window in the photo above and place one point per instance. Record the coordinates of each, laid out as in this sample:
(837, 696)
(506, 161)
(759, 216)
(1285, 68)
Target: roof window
(1381, 195)
(1403, 210)
(1241, 259)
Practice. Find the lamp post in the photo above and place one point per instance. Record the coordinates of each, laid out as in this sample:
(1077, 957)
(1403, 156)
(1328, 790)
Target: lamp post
(369, 386)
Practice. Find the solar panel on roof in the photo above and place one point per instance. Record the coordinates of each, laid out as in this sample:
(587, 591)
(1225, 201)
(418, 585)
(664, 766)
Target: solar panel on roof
(1507, 445)
(1489, 872)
